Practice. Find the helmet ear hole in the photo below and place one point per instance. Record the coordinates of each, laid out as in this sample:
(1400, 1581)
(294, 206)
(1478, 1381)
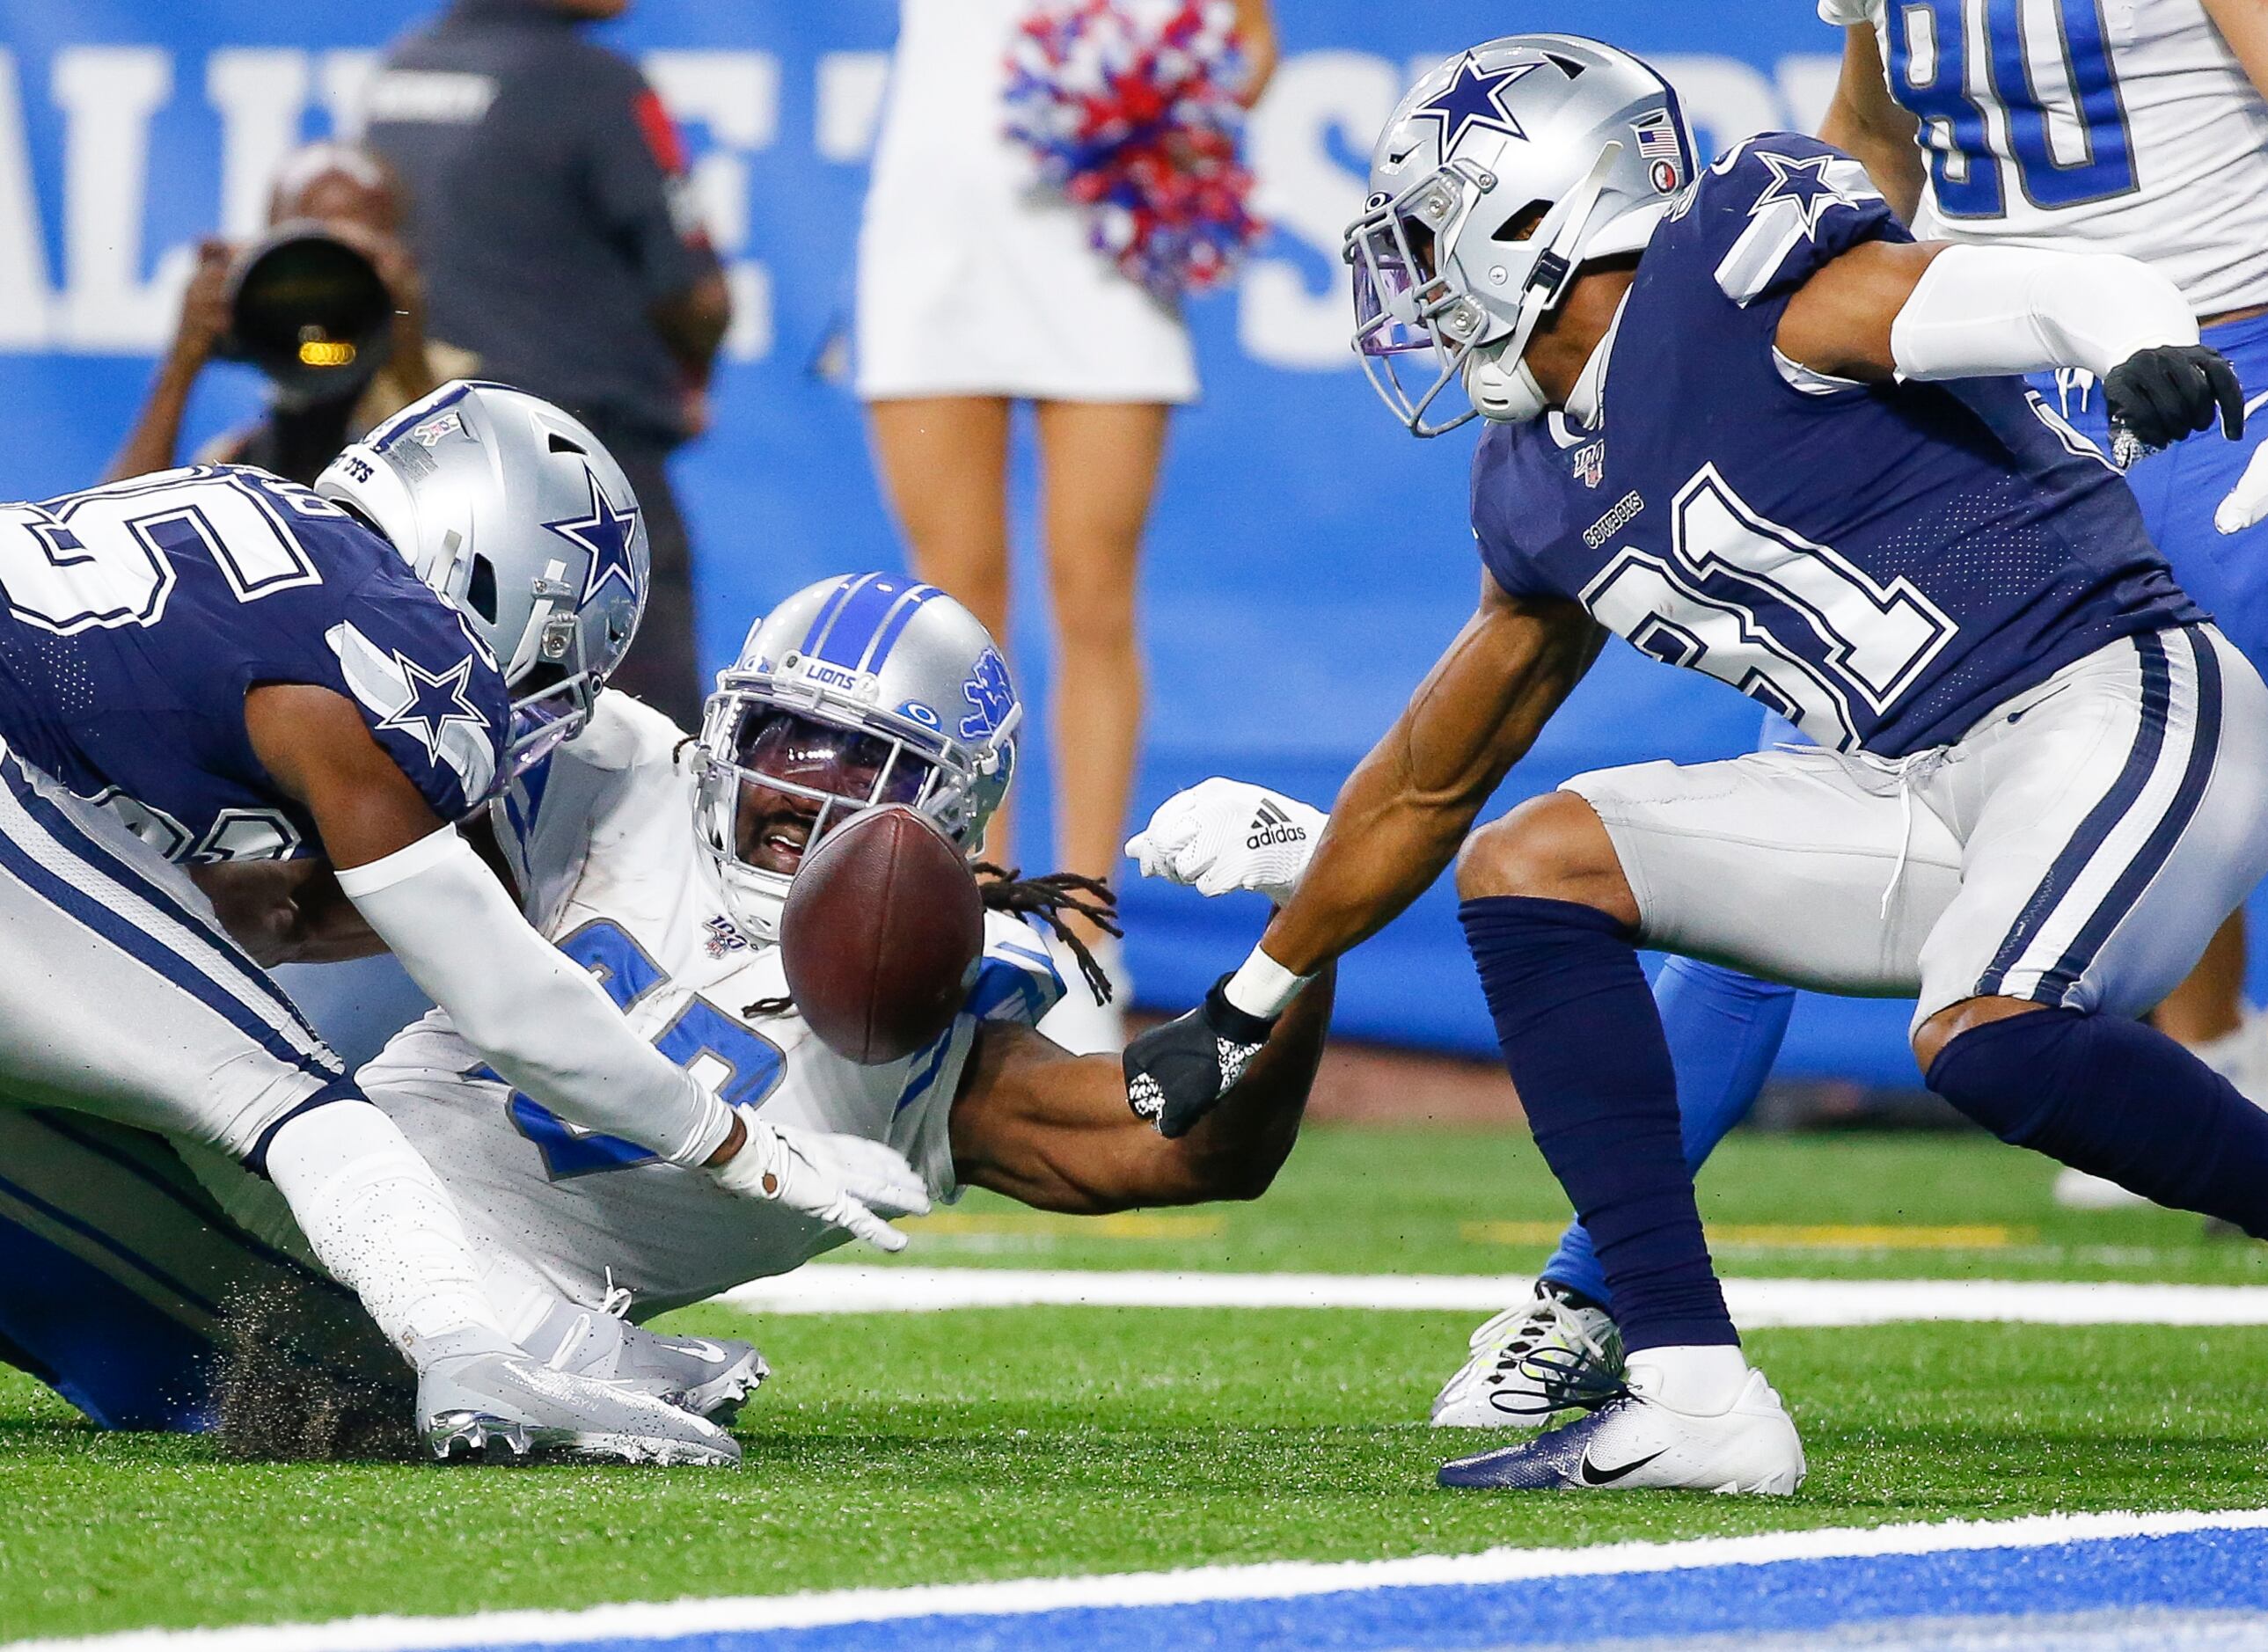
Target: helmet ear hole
(564, 444)
(480, 588)
(1521, 224)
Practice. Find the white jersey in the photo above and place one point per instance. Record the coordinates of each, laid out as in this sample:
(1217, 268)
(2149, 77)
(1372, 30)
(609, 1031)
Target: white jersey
(601, 838)
(2126, 124)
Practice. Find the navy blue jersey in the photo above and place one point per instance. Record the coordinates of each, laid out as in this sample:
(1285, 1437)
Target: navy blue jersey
(1881, 564)
(139, 614)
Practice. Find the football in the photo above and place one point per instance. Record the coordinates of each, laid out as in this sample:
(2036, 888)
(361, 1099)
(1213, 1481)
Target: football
(880, 929)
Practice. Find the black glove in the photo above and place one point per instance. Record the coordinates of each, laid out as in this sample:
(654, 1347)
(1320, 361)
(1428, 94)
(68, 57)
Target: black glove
(2159, 395)
(1176, 1073)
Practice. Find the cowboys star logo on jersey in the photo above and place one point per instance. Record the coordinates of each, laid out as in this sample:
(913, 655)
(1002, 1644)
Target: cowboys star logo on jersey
(434, 709)
(1803, 183)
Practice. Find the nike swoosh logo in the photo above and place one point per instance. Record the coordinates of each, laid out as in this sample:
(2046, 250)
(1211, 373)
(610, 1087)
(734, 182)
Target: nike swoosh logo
(707, 1352)
(1591, 1474)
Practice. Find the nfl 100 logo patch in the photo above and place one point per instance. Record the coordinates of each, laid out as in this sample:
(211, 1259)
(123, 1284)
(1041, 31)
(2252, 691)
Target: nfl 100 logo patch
(1590, 463)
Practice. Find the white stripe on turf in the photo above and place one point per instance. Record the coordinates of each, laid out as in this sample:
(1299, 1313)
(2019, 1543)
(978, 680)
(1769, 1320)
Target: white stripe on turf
(1275, 1581)
(849, 1288)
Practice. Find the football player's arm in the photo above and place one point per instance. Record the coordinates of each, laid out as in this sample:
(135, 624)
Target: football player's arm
(287, 912)
(2244, 24)
(537, 1017)
(1051, 1129)
(1872, 127)
(1403, 813)
(1932, 310)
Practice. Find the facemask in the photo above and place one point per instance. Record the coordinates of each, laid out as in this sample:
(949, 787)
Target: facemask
(1503, 396)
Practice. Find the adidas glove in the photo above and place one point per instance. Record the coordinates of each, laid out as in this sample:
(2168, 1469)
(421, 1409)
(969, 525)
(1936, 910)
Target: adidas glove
(1176, 1073)
(2158, 395)
(1224, 834)
(842, 1180)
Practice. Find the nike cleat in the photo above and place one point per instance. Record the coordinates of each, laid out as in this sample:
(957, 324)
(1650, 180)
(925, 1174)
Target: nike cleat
(1639, 1443)
(710, 1376)
(508, 1408)
(1548, 1355)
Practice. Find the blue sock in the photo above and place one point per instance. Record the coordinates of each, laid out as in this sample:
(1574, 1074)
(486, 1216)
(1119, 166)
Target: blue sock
(1584, 1046)
(2119, 1099)
(1724, 1029)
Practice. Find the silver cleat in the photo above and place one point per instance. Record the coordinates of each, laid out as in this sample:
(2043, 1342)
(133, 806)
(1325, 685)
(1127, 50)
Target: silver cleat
(710, 1376)
(491, 1403)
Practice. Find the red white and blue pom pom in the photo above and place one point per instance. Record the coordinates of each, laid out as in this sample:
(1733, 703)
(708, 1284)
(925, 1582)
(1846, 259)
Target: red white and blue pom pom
(1129, 108)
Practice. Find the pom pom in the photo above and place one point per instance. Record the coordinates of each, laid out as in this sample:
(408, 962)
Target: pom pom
(1129, 109)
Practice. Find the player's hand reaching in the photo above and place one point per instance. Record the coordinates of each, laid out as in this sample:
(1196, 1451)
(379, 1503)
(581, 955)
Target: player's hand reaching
(1224, 834)
(2157, 396)
(844, 1181)
(1176, 1073)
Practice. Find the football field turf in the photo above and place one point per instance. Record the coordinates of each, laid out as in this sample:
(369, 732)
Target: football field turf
(904, 1448)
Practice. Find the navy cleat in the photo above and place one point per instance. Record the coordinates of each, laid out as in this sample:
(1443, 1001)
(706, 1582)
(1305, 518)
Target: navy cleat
(1639, 1443)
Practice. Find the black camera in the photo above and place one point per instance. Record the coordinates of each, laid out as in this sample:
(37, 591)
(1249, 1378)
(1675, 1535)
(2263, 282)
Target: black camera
(309, 310)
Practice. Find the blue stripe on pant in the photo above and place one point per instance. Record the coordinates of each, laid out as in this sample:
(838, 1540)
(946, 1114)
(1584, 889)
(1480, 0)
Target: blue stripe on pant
(67, 835)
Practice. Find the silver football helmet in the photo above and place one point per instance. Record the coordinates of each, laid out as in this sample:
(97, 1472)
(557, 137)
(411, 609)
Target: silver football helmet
(512, 512)
(1499, 174)
(862, 689)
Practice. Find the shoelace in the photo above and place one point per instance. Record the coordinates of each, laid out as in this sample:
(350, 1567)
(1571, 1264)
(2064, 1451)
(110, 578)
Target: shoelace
(1577, 1376)
(618, 1298)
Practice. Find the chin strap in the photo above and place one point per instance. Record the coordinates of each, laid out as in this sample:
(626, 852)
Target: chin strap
(1515, 388)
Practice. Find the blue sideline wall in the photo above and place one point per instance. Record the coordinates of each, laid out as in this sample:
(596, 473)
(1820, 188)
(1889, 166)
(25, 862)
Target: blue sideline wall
(1307, 560)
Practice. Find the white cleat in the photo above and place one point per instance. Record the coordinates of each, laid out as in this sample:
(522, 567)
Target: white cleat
(505, 1406)
(1638, 1443)
(1543, 1357)
(2076, 1190)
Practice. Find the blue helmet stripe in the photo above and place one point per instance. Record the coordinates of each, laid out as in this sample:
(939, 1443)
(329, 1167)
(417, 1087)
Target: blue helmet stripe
(829, 609)
(862, 615)
(894, 626)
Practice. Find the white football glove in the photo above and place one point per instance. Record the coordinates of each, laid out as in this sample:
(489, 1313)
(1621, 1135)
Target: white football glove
(842, 1180)
(1224, 834)
(2248, 502)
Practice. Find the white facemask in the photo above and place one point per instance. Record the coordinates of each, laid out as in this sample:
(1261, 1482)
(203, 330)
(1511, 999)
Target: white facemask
(1504, 397)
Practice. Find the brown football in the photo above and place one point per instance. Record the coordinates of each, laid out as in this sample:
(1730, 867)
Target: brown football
(881, 927)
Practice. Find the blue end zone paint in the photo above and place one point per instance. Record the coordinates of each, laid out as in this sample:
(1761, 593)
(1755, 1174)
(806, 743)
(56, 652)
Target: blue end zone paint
(2204, 1570)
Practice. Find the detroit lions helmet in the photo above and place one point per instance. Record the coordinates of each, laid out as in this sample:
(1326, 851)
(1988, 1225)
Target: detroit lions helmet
(515, 514)
(863, 689)
(1499, 174)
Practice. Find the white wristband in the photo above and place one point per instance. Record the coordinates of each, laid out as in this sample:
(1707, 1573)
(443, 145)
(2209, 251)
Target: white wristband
(1262, 986)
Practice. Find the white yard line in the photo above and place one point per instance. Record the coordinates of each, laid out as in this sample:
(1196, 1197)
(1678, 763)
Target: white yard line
(1274, 1581)
(845, 1288)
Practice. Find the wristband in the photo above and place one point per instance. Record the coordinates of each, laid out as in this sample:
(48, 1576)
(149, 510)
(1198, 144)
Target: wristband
(1262, 986)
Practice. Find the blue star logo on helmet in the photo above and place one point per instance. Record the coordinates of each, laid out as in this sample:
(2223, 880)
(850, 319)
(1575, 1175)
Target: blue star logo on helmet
(1475, 97)
(437, 699)
(990, 695)
(607, 534)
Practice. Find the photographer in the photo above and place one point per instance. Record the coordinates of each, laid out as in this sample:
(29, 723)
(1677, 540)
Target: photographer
(334, 193)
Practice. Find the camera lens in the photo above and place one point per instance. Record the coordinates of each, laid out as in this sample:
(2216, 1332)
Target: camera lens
(310, 311)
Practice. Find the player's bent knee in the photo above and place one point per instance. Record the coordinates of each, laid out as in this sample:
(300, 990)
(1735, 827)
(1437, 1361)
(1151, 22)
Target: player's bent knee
(1931, 1039)
(1553, 848)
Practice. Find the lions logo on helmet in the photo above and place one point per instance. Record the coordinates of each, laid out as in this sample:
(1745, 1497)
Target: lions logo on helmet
(1498, 175)
(515, 514)
(860, 690)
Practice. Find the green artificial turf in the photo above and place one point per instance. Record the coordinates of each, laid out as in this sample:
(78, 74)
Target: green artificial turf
(1426, 1202)
(895, 1449)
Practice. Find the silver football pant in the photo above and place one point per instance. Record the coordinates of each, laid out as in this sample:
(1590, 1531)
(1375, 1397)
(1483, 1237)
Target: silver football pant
(2077, 848)
(121, 995)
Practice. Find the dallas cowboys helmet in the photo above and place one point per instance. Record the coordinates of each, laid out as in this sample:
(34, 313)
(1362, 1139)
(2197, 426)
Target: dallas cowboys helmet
(512, 512)
(1499, 174)
(863, 689)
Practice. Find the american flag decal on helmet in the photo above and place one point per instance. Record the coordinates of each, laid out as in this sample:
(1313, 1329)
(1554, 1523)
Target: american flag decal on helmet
(1657, 137)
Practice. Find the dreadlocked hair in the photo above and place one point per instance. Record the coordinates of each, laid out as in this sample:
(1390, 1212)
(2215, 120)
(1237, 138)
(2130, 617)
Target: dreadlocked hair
(1048, 898)
(1004, 889)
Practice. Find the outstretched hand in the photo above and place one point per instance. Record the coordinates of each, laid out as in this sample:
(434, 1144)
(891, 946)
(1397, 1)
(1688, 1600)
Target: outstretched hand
(1224, 834)
(845, 1181)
